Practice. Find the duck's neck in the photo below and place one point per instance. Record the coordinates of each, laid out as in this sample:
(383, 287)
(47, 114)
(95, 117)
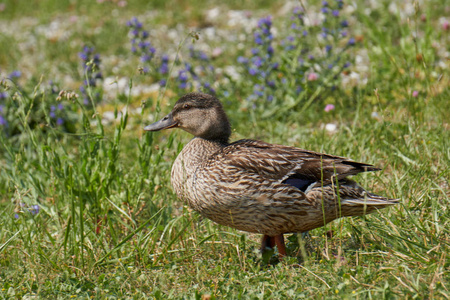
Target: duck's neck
(194, 155)
(199, 149)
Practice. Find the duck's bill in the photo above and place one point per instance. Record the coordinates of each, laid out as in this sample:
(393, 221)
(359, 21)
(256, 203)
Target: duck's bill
(164, 123)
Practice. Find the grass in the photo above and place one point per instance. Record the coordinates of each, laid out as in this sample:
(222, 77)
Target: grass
(109, 225)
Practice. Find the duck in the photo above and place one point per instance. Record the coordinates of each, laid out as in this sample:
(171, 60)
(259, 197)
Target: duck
(258, 187)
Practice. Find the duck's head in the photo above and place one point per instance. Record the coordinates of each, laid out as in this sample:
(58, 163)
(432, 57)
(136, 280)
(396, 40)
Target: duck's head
(199, 114)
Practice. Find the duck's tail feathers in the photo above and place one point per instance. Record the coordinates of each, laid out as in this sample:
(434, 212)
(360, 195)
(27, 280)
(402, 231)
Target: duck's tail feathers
(371, 200)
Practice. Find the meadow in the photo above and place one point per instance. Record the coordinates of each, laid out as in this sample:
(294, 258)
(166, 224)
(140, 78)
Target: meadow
(86, 206)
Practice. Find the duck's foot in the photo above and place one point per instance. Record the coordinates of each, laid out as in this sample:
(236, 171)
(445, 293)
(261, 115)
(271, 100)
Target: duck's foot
(272, 241)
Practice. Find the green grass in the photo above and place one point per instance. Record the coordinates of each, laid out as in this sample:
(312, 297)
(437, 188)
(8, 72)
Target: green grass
(109, 225)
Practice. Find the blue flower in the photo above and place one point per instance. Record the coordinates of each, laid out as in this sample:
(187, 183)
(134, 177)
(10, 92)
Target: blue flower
(257, 61)
(265, 22)
(164, 68)
(203, 56)
(255, 51)
(242, 60)
(3, 121)
(182, 76)
(351, 42)
(146, 58)
(15, 74)
(258, 90)
(258, 38)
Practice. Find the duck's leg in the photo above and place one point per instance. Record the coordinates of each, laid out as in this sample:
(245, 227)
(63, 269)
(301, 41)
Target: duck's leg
(279, 241)
(267, 242)
(271, 241)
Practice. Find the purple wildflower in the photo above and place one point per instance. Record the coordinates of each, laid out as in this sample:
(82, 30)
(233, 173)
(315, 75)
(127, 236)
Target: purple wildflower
(255, 51)
(3, 121)
(91, 66)
(15, 74)
(164, 67)
(242, 60)
(140, 46)
(329, 107)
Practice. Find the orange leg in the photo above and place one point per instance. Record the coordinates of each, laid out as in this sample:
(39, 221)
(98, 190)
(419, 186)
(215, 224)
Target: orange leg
(271, 241)
(279, 241)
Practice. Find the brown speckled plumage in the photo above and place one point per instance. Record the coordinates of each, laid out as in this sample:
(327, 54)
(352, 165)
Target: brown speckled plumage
(259, 187)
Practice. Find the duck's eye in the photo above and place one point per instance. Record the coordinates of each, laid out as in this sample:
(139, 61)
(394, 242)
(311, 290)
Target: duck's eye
(187, 106)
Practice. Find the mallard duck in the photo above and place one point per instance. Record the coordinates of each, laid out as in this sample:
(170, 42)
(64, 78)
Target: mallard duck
(259, 187)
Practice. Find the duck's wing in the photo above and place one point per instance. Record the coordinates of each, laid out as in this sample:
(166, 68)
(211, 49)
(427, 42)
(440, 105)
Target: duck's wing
(290, 165)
